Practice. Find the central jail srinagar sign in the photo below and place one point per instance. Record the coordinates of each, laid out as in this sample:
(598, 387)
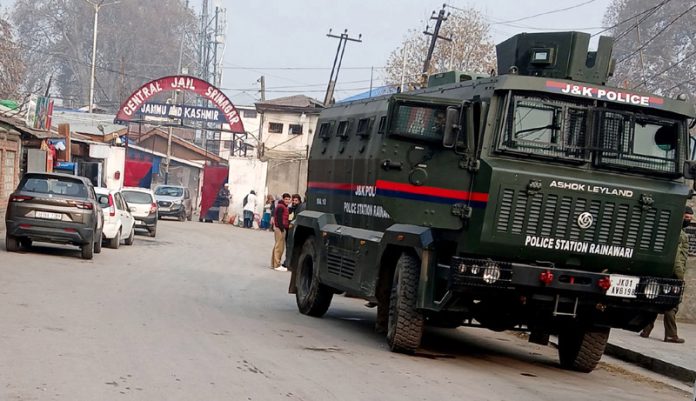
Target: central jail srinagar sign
(130, 108)
(163, 111)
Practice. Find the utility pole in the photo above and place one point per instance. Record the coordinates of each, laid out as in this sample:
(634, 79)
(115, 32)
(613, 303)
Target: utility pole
(97, 5)
(262, 82)
(342, 41)
(435, 35)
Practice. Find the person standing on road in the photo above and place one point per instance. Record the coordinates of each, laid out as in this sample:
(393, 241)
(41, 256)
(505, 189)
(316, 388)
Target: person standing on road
(280, 230)
(267, 211)
(249, 209)
(296, 206)
(670, 317)
(223, 200)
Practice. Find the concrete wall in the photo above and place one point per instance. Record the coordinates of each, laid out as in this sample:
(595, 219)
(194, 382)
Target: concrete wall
(246, 174)
(287, 176)
(687, 309)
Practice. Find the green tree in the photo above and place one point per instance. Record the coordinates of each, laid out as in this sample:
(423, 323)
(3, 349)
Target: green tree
(471, 49)
(655, 45)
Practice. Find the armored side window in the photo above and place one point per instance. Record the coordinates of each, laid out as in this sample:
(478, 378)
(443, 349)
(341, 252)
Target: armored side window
(275, 128)
(382, 125)
(342, 131)
(325, 131)
(363, 127)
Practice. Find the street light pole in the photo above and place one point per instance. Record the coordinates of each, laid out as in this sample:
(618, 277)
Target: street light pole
(96, 6)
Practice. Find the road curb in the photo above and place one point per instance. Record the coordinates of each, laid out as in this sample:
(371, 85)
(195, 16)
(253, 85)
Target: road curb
(653, 364)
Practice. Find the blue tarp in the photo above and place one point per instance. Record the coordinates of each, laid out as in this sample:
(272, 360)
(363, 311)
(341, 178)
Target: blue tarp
(378, 91)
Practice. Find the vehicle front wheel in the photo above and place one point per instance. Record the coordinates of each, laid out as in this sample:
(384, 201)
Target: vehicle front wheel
(312, 297)
(405, 325)
(88, 249)
(152, 232)
(11, 243)
(182, 216)
(115, 242)
(581, 349)
(131, 237)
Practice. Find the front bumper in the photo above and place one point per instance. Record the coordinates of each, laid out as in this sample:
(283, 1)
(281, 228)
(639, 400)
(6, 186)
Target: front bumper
(173, 211)
(59, 232)
(468, 275)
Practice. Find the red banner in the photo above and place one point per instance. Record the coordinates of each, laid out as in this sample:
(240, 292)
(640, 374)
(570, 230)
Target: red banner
(135, 101)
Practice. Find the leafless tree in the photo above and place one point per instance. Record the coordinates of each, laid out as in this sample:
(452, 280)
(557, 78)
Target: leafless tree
(12, 66)
(471, 49)
(655, 44)
(138, 41)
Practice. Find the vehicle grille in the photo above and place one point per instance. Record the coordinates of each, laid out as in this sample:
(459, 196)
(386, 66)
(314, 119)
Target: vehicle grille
(554, 216)
(340, 263)
(164, 203)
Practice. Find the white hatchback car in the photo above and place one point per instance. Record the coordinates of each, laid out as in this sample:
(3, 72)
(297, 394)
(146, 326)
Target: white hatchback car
(118, 220)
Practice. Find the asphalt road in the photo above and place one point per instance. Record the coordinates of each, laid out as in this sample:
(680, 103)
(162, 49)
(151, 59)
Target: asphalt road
(196, 314)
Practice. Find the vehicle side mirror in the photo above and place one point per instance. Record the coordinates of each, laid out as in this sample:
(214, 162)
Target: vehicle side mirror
(452, 127)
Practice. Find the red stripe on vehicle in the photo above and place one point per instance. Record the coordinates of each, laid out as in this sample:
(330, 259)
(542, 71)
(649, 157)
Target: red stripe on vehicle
(432, 191)
(331, 185)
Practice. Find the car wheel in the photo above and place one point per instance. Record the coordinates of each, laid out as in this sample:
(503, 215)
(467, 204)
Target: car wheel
(312, 297)
(182, 216)
(152, 232)
(88, 250)
(131, 237)
(11, 243)
(115, 242)
(405, 325)
(98, 244)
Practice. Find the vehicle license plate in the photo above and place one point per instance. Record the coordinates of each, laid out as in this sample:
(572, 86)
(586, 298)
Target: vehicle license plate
(48, 215)
(623, 286)
(139, 222)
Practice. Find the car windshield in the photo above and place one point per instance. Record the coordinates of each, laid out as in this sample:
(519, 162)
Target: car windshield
(169, 191)
(137, 197)
(55, 186)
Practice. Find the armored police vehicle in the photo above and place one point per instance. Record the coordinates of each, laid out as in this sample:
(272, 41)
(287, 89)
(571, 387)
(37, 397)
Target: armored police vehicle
(538, 200)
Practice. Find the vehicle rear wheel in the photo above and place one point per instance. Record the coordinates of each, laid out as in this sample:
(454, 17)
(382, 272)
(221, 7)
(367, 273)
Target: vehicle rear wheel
(98, 244)
(313, 298)
(131, 237)
(115, 242)
(152, 232)
(405, 326)
(88, 249)
(581, 349)
(11, 243)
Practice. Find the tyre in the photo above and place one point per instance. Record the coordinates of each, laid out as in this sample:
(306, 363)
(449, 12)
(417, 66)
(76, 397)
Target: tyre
(115, 242)
(88, 250)
(405, 325)
(312, 297)
(182, 216)
(11, 243)
(131, 237)
(98, 244)
(152, 232)
(581, 349)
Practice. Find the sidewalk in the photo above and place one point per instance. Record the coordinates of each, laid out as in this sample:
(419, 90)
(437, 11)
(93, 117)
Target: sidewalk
(677, 361)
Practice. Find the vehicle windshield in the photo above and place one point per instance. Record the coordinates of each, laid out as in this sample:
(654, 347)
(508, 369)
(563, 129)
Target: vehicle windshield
(169, 191)
(546, 128)
(55, 186)
(619, 140)
(136, 197)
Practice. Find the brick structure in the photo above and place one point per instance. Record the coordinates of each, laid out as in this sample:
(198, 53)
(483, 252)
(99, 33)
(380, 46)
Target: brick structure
(10, 155)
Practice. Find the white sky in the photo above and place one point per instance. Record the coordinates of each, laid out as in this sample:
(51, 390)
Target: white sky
(269, 34)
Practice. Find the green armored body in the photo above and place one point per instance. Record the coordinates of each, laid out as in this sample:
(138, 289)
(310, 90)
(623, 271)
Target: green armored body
(539, 199)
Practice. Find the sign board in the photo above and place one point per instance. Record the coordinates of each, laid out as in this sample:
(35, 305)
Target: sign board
(130, 107)
(164, 112)
(39, 113)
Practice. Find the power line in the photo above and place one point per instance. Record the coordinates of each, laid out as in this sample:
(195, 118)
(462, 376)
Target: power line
(669, 67)
(547, 12)
(297, 68)
(641, 47)
(650, 10)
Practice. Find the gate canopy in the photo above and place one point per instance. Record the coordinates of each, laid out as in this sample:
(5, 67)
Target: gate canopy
(129, 109)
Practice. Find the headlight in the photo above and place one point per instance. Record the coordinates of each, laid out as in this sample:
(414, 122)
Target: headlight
(651, 290)
(666, 288)
(491, 273)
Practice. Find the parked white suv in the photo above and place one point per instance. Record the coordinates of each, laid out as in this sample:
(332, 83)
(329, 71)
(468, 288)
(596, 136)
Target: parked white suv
(118, 220)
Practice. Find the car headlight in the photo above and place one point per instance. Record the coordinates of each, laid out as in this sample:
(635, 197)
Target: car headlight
(651, 289)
